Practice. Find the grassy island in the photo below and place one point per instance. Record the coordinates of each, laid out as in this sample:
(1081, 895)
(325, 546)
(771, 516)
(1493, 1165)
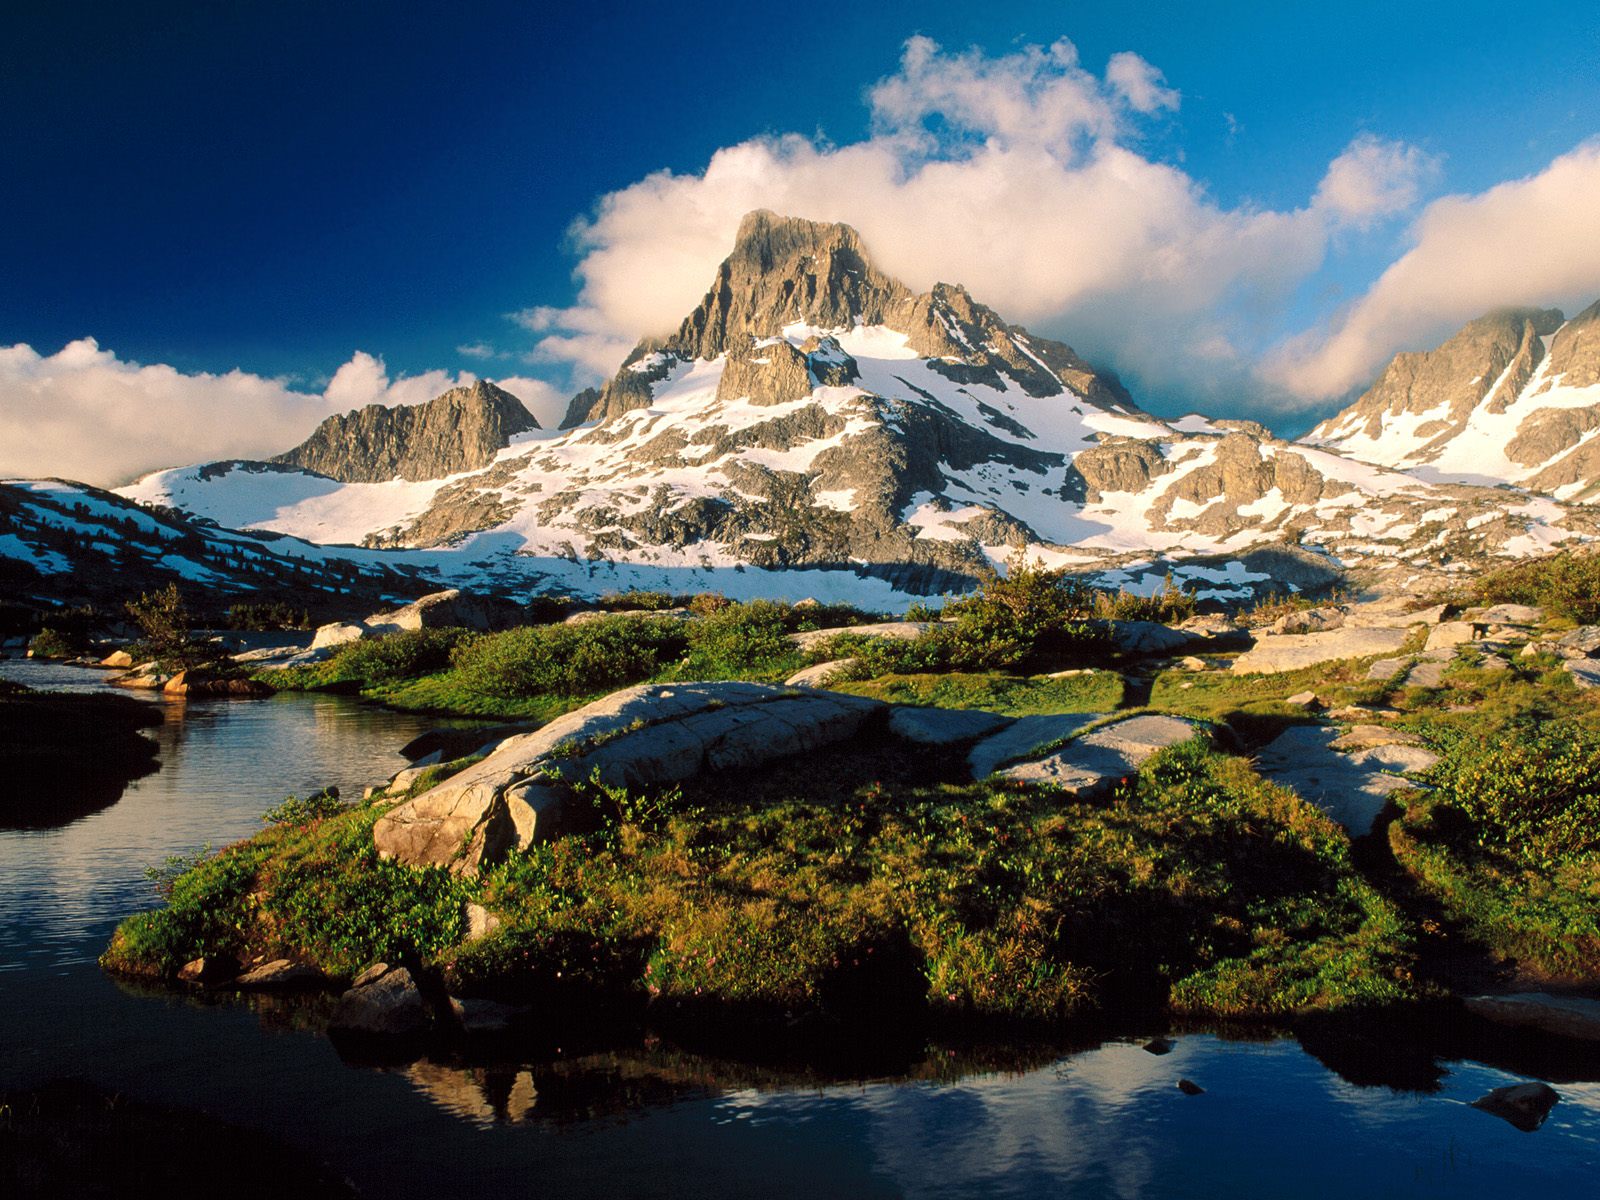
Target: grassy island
(876, 880)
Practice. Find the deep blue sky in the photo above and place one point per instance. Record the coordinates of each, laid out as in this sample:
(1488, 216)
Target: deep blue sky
(273, 185)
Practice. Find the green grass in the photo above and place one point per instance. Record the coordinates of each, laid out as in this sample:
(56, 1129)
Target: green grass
(316, 892)
(1012, 695)
(1252, 706)
(863, 886)
(1508, 839)
(1566, 584)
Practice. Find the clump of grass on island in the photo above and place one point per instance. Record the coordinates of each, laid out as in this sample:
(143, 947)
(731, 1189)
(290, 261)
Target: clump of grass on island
(861, 886)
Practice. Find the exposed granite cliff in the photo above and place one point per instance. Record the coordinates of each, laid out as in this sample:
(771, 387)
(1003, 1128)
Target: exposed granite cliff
(1514, 397)
(786, 271)
(461, 430)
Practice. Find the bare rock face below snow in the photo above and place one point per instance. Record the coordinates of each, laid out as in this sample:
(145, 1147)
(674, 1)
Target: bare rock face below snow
(1455, 378)
(639, 737)
(460, 430)
(1291, 651)
(1515, 380)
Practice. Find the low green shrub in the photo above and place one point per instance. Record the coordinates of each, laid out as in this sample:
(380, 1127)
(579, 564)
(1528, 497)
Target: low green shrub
(296, 811)
(738, 639)
(1565, 584)
(407, 654)
(595, 656)
(1526, 789)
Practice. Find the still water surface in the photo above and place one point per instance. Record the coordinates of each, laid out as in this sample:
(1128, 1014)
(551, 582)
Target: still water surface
(1273, 1122)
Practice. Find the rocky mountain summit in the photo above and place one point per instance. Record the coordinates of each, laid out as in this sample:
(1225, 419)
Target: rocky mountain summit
(1514, 397)
(813, 414)
(461, 430)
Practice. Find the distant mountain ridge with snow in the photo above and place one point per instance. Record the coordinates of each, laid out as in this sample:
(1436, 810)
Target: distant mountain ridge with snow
(1514, 397)
(813, 414)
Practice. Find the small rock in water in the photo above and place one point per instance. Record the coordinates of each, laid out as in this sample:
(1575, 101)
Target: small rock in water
(212, 968)
(483, 1016)
(1190, 1088)
(281, 973)
(1159, 1045)
(1524, 1105)
(390, 1005)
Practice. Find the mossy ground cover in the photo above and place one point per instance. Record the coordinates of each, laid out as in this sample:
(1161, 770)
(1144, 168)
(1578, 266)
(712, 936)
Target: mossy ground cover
(1507, 838)
(863, 885)
(994, 691)
(1254, 707)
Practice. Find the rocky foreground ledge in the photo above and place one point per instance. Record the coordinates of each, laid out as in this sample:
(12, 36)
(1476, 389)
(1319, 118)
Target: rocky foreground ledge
(655, 735)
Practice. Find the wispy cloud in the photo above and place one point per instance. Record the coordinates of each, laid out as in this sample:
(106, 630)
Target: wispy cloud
(1533, 241)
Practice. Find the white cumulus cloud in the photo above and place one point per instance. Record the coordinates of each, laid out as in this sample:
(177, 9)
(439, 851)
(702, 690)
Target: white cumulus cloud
(1020, 176)
(83, 413)
(1533, 241)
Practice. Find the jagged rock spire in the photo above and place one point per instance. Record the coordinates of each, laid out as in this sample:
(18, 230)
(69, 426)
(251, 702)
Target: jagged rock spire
(785, 271)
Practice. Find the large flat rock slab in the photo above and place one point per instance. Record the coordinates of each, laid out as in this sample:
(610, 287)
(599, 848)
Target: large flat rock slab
(1350, 786)
(944, 726)
(636, 738)
(1585, 672)
(901, 630)
(1025, 738)
(1100, 759)
(1566, 1016)
(1291, 651)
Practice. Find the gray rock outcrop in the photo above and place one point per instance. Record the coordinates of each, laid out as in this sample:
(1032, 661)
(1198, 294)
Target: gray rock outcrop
(1026, 737)
(1097, 761)
(1351, 786)
(639, 737)
(382, 1004)
(460, 430)
(1291, 651)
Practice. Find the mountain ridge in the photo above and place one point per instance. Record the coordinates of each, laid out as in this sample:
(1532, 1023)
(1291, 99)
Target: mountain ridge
(458, 430)
(1513, 397)
(813, 413)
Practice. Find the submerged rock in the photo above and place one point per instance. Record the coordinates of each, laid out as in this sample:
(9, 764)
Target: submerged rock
(1524, 1105)
(1566, 1016)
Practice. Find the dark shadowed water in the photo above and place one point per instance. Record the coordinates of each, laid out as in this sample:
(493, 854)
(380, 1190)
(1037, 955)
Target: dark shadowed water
(1273, 1121)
